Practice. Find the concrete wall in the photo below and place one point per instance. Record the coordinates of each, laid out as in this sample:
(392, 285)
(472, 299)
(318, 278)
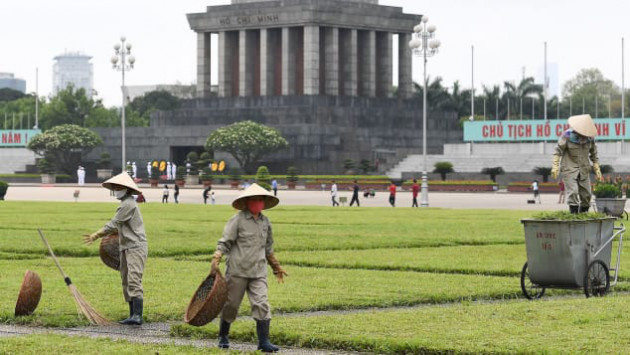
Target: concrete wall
(322, 131)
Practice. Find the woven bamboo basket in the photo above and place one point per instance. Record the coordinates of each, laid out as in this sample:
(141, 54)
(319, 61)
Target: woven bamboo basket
(109, 251)
(208, 300)
(30, 294)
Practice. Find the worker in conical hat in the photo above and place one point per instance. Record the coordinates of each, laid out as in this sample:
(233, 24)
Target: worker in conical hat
(127, 222)
(572, 160)
(248, 244)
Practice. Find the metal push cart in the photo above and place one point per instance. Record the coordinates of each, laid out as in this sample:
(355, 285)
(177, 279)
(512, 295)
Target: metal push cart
(570, 255)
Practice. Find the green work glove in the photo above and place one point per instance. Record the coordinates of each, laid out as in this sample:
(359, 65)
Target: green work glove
(90, 238)
(555, 167)
(598, 172)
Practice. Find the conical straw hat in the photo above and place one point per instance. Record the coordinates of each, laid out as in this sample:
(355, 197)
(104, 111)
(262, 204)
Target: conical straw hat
(255, 190)
(122, 179)
(583, 124)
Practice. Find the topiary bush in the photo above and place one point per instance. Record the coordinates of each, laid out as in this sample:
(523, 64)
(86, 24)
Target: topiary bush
(3, 189)
(443, 168)
(493, 172)
(262, 177)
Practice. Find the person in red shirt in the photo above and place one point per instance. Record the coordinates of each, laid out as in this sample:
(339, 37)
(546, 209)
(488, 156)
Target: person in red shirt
(392, 195)
(414, 192)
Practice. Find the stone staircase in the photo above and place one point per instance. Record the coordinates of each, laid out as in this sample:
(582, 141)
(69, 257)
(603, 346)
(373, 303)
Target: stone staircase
(513, 158)
(15, 160)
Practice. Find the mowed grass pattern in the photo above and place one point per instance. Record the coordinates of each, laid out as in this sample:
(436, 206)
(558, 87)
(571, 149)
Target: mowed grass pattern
(338, 259)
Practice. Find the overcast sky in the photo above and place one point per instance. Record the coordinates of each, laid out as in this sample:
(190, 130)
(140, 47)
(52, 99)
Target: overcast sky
(508, 36)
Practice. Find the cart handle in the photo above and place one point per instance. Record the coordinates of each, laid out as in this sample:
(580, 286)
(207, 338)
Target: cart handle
(620, 230)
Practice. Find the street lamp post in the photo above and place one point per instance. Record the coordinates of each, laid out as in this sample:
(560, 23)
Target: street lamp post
(122, 60)
(423, 45)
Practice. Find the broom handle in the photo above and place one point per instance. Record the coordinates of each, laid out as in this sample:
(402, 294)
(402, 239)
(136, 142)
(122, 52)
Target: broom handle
(66, 278)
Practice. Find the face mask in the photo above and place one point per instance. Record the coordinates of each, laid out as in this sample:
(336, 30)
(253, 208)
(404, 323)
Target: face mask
(120, 194)
(255, 206)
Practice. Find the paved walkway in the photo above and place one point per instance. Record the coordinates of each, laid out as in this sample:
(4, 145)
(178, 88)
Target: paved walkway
(224, 196)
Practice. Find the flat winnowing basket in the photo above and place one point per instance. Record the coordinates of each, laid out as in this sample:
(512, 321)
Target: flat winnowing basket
(109, 251)
(208, 300)
(30, 294)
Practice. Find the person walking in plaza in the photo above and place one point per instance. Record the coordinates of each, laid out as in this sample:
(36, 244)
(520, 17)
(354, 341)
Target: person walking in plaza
(392, 194)
(355, 194)
(133, 248)
(333, 193)
(176, 193)
(561, 195)
(415, 188)
(248, 244)
(572, 159)
(165, 193)
(274, 187)
(205, 194)
(212, 198)
(534, 188)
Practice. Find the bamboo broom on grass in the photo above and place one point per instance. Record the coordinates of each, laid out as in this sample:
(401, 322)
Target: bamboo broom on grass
(90, 313)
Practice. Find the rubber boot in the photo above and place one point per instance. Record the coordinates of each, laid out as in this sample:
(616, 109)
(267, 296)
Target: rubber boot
(574, 209)
(130, 309)
(584, 209)
(262, 329)
(224, 331)
(136, 317)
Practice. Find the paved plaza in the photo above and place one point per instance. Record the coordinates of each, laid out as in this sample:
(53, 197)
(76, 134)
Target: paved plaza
(224, 195)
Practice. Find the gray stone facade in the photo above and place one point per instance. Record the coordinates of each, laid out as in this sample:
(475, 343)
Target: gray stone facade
(356, 35)
(322, 131)
(319, 71)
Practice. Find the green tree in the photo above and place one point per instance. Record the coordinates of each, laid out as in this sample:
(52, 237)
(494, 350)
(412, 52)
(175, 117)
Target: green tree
(140, 109)
(246, 141)
(443, 168)
(63, 146)
(72, 106)
(589, 86)
(7, 94)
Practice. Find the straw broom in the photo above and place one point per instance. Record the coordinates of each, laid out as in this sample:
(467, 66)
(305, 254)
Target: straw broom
(90, 313)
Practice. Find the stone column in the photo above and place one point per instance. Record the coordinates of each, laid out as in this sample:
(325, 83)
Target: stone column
(311, 60)
(348, 58)
(384, 64)
(405, 83)
(203, 64)
(288, 62)
(266, 63)
(246, 63)
(331, 50)
(225, 65)
(367, 48)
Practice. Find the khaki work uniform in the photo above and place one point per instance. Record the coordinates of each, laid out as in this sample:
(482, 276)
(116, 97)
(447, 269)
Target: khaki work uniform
(133, 246)
(246, 242)
(575, 168)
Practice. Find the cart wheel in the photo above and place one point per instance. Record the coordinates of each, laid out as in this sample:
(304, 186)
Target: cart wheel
(530, 289)
(597, 279)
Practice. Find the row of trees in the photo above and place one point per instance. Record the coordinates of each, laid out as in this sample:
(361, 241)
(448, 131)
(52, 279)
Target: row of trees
(73, 106)
(588, 92)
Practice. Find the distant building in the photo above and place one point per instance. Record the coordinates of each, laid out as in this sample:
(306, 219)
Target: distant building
(8, 80)
(72, 68)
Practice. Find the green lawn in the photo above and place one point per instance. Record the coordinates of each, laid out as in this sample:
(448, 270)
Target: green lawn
(57, 344)
(573, 325)
(367, 260)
